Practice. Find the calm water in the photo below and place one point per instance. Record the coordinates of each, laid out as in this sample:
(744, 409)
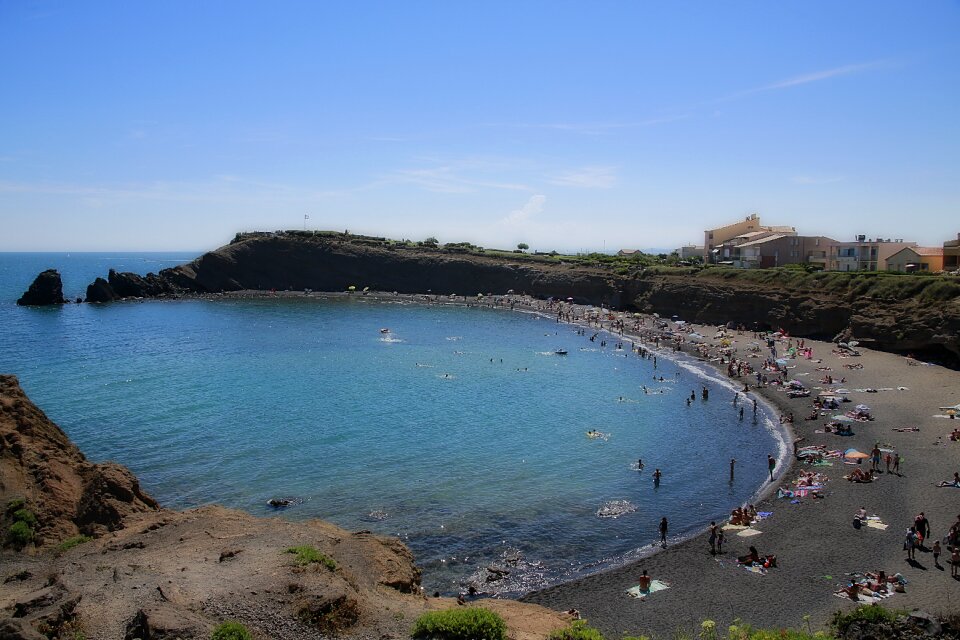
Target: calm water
(459, 432)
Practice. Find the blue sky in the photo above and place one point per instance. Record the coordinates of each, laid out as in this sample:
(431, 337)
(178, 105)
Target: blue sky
(568, 126)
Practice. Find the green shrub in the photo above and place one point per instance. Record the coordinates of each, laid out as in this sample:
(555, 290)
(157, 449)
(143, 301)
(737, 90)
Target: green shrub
(25, 516)
(15, 504)
(305, 554)
(579, 630)
(19, 534)
(70, 543)
(870, 613)
(470, 623)
(231, 631)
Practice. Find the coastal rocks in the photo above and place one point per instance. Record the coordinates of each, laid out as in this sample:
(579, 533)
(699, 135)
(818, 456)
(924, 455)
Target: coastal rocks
(67, 495)
(46, 289)
(120, 285)
(101, 291)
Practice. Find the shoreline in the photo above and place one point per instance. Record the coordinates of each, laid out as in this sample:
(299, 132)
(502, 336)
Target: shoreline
(701, 368)
(814, 540)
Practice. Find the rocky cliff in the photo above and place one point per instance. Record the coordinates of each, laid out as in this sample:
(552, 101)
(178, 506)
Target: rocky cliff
(902, 315)
(141, 571)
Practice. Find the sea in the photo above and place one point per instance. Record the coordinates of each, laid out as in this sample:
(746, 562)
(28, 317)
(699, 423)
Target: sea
(459, 430)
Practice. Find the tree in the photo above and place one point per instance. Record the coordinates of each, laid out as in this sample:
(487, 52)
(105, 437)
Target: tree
(523, 246)
(431, 241)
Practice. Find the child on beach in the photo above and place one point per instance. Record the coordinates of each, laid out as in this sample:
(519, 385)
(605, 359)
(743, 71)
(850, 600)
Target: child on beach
(936, 554)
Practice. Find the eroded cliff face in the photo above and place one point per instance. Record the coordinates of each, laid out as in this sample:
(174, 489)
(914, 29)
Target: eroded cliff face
(927, 330)
(334, 263)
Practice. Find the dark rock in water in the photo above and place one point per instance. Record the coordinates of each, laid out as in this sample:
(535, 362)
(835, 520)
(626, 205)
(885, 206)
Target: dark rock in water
(46, 289)
(119, 285)
(101, 291)
(131, 285)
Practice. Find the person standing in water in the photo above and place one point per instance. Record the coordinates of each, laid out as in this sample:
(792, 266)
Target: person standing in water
(663, 532)
(733, 463)
(771, 465)
(656, 477)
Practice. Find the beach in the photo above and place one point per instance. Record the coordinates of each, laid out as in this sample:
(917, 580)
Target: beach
(814, 540)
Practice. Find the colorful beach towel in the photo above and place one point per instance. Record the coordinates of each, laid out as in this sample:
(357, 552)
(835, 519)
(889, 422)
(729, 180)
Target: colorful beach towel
(655, 585)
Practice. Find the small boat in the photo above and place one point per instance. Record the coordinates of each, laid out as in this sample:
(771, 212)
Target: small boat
(560, 352)
(384, 330)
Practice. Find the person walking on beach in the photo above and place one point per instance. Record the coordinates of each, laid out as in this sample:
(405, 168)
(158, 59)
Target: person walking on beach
(720, 539)
(663, 532)
(909, 543)
(936, 553)
(713, 538)
(896, 463)
(955, 563)
(771, 465)
(733, 462)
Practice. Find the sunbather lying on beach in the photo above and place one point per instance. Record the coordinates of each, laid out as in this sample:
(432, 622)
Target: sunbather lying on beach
(952, 483)
(906, 429)
(859, 475)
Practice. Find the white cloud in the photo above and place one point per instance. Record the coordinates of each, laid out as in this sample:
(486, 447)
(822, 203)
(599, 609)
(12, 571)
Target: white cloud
(587, 178)
(524, 214)
(807, 78)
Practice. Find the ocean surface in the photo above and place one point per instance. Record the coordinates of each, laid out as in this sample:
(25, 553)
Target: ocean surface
(460, 431)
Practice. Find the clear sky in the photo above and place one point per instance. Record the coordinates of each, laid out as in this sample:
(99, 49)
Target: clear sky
(565, 125)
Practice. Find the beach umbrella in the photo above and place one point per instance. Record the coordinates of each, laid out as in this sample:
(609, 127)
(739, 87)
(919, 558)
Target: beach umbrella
(853, 454)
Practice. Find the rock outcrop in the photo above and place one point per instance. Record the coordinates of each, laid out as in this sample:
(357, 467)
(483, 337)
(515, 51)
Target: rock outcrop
(67, 494)
(46, 289)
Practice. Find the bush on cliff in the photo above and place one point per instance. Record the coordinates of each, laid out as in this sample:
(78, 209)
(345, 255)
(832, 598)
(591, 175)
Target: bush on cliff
(231, 631)
(460, 624)
(306, 555)
(579, 630)
(19, 535)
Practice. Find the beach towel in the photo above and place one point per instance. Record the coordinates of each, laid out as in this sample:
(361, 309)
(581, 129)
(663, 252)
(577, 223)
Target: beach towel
(655, 585)
(755, 568)
(763, 515)
(749, 533)
(734, 527)
(876, 523)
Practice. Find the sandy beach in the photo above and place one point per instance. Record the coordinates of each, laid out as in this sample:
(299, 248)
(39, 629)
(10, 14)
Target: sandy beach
(814, 540)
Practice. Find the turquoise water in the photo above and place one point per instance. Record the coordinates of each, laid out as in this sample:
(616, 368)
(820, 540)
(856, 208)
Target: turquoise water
(459, 431)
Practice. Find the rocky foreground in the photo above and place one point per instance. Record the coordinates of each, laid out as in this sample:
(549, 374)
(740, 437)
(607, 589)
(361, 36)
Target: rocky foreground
(104, 560)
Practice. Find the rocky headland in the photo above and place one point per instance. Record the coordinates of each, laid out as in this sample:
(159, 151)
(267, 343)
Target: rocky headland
(87, 553)
(904, 314)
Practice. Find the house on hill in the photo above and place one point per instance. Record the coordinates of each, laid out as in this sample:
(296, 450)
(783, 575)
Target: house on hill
(916, 259)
